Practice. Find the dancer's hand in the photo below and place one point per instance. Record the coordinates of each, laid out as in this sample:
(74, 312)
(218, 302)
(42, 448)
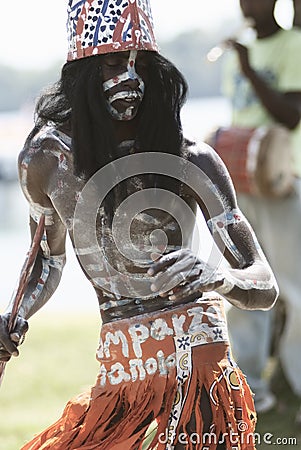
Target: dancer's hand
(181, 274)
(9, 341)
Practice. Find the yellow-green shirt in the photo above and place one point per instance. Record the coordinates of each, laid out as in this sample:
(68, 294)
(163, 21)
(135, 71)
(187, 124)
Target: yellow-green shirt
(278, 60)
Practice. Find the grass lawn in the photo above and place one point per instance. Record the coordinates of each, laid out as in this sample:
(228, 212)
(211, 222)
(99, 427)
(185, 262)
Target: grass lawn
(277, 429)
(57, 362)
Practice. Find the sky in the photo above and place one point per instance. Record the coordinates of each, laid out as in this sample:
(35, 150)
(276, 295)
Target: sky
(38, 36)
(33, 32)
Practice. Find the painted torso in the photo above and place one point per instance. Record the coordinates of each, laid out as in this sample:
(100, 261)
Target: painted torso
(116, 263)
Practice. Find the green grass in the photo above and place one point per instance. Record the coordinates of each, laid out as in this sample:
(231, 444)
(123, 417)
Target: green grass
(57, 362)
(278, 425)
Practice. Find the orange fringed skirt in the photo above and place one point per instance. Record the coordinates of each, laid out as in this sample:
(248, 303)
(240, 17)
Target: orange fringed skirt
(158, 374)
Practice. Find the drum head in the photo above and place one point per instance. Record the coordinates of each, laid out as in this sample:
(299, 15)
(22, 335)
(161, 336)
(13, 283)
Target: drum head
(274, 171)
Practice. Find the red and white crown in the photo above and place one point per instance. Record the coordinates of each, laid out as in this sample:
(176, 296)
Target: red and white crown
(104, 26)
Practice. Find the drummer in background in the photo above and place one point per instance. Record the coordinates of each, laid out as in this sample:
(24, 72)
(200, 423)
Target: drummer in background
(263, 83)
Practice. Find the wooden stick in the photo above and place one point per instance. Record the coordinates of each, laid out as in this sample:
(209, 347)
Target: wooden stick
(23, 281)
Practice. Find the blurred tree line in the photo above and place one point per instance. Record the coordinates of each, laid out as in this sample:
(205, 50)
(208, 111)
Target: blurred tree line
(21, 87)
(187, 51)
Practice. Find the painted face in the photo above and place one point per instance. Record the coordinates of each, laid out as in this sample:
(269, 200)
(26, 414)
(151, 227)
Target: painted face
(123, 87)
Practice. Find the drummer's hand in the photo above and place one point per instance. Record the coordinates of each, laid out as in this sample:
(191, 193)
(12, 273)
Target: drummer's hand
(243, 55)
(179, 275)
(10, 342)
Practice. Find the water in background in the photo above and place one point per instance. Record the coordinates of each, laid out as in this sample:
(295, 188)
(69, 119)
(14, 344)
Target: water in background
(74, 292)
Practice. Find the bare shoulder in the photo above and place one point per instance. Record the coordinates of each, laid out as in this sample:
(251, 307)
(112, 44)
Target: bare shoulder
(32, 158)
(206, 158)
(39, 160)
(209, 162)
(44, 149)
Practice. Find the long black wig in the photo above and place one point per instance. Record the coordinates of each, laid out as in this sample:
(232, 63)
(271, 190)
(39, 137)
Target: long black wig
(78, 99)
(77, 102)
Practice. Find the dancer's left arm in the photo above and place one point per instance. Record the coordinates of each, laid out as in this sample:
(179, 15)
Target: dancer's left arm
(247, 281)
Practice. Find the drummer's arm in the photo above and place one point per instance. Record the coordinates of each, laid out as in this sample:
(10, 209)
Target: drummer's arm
(249, 282)
(284, 107)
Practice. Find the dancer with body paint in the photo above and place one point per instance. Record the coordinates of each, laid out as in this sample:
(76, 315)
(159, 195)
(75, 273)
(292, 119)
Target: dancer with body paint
(107, 162)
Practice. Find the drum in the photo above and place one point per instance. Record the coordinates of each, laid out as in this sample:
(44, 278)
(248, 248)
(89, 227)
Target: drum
(259, 160)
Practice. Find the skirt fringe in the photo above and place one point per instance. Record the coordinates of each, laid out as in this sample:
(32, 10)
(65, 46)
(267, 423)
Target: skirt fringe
(165, 378)
(118, 418)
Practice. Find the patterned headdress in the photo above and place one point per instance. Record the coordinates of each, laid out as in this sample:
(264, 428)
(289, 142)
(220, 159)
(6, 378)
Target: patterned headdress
(105, 26)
